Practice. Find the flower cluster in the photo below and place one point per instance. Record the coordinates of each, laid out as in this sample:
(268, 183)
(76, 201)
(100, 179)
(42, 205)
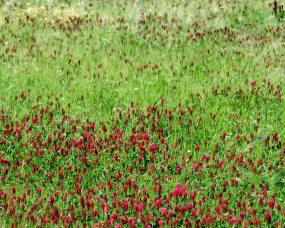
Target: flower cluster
(141, 114)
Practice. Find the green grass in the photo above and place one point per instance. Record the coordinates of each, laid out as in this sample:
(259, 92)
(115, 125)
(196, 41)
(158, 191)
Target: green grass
(87, 62)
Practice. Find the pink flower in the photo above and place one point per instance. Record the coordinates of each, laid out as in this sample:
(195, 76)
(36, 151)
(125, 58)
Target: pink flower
(248, 210)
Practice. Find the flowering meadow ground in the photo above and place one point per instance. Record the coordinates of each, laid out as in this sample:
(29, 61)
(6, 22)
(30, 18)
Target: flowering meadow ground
(141, 113)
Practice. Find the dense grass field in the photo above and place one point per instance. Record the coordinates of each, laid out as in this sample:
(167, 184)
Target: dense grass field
(142, 113)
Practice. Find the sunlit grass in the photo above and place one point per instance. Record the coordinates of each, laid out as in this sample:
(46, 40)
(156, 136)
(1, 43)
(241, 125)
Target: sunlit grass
(155, 97)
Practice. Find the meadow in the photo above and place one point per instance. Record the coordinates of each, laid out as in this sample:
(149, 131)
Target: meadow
(141, 113)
